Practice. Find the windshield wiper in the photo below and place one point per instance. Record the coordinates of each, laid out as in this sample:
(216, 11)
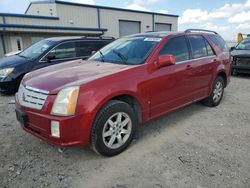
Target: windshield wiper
(121, 56)
(102, 56)
(22, 56)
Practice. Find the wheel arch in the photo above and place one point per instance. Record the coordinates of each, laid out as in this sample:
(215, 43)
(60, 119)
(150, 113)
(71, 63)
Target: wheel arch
(128, 97)
(132, 101)
(224, 76)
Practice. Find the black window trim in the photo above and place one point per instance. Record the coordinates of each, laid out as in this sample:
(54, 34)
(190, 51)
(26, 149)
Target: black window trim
(188, 47)
(191, 51)
(71, 58)
(210, 47)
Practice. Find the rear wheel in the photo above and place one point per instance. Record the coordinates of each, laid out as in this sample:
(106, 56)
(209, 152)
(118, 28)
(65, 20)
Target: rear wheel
(217, 93)
(114, 128)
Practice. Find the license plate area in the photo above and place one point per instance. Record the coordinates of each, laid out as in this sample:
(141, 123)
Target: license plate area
(21, 117)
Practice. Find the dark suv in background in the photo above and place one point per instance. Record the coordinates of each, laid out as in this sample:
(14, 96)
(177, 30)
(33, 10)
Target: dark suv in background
(47, 52)
(241, 57)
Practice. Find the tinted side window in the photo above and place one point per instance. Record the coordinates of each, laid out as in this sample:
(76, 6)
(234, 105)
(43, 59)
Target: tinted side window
(210, 51)
(85, 48)
(218, 41)
(198, 47)
(177, 47)
(63, 51)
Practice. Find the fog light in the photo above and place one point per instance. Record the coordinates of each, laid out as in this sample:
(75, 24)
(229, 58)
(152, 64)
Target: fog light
(55, 129)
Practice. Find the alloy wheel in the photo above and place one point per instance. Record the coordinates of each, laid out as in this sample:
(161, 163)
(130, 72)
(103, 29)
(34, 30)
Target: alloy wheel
(218, 90)
(117, 130)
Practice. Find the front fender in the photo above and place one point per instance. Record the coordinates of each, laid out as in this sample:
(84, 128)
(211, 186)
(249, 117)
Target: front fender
(90, 101)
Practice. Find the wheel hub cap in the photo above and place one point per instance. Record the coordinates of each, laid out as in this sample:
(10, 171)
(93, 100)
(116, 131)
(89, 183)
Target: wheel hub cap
(218, 91)
(117, 130)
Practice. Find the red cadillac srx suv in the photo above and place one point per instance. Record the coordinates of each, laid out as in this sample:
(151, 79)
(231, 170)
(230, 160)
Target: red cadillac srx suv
(100, 102)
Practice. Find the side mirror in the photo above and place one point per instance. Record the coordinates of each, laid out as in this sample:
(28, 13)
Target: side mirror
(50, 57)
(93, 52)
(165, 60)
(232, 48)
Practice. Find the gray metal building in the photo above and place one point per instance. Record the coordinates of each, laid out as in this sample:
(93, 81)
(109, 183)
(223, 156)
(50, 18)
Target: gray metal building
(44, 19)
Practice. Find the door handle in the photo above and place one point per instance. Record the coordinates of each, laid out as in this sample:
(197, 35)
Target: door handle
(188, 67)
(214, 60)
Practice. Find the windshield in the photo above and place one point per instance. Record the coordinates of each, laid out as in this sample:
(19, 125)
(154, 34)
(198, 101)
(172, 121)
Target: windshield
(36, 49)
(131, 51)
(243, 45)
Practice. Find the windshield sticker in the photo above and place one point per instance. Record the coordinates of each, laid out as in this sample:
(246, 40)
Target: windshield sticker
(152, 39)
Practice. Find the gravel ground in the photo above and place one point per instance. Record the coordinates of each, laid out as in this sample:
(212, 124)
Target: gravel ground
(196, 146)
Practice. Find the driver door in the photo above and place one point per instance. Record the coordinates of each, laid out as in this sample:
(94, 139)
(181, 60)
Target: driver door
(170, 85)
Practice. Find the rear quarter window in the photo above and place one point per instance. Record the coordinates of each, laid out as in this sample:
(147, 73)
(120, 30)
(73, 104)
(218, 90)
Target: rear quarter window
(210, 50)
(218, 41)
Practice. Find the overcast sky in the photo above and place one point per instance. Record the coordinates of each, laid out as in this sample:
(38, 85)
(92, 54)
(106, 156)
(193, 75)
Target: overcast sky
(228, 17)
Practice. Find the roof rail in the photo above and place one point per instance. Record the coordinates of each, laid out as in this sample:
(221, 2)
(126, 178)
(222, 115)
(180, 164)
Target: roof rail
(200, 30)
(104, 37)
(99, 37)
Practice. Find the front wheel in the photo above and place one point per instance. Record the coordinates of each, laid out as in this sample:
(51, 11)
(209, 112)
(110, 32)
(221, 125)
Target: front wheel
(217, 93)
(114, 128)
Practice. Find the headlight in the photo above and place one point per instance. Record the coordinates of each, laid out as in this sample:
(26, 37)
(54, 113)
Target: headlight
(6, 72)
(65, 103)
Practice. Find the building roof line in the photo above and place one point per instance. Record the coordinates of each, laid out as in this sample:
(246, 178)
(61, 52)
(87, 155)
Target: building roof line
(29, 16)
(51, 27)
(38, 2)
(112, 8)
(101, 7)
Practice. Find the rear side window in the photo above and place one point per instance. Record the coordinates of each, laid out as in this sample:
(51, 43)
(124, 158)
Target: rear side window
(218, 41)
(198, 46)
(177, 47)
(85, 48)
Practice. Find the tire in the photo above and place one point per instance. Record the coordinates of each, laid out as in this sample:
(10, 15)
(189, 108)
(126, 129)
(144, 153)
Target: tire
(217, 93)
(114, 128)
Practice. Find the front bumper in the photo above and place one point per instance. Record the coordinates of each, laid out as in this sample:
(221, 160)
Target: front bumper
(72, 131)
(241, 68)
(241, 64)
(8, 85)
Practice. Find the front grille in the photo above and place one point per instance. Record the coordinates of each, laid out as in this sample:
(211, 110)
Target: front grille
(243, 61)
(32, 97)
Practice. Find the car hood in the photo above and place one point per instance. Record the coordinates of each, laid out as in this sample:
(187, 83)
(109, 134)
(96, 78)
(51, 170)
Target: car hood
(240, 53)
(54, 78)
(11, 61)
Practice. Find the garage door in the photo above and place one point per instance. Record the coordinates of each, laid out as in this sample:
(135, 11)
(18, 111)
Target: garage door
(129, 28)
(162, 27)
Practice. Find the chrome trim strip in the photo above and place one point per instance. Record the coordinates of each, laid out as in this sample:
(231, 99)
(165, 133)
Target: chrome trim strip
(190, 60)
(37, 90)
